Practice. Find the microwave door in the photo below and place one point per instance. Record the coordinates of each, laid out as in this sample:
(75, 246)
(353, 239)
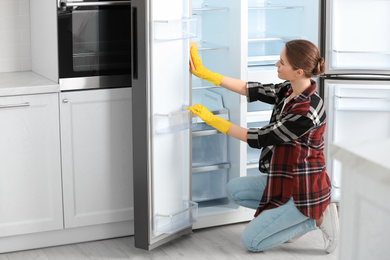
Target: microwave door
(357, 42)
(162, 134)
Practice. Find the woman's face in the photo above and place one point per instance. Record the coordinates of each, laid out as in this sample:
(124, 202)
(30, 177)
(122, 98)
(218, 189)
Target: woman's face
(285, 70)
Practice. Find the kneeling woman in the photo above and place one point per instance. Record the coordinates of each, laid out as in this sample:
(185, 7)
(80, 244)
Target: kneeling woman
(293, 196)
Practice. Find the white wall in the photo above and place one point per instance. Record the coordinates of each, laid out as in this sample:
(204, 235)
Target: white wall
(15, 41)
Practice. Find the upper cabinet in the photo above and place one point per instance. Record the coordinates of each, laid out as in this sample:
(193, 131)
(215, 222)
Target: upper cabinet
(29, 37)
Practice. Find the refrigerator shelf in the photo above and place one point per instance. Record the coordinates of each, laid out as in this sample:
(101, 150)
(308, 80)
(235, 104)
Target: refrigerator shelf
(198, 86)
(171, 223)
(175, 122)
(275, 7)
(204, 46)
(175, 29)
(210, 9)
(210, 168)
(252, 166)
(253, 38)
(259, 116)
(205, 132)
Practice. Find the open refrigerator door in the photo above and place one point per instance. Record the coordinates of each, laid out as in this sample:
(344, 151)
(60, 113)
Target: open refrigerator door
(162, 127)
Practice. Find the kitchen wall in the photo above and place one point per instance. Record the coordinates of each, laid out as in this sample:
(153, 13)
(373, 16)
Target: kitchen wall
(15, 43)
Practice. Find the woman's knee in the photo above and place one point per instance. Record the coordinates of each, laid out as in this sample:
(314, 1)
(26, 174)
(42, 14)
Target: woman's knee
(231, 188)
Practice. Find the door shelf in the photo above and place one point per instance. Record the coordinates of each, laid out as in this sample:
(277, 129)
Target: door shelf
(209, 185)
(171, 223)
(175, 29)
(365, 60)
(362, 104)
(175, 122)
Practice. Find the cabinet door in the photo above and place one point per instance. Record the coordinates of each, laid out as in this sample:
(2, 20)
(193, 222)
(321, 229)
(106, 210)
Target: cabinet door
(96, 138)
(30, 168)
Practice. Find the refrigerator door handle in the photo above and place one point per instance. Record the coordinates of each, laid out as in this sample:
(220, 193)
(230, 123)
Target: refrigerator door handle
(134, 45)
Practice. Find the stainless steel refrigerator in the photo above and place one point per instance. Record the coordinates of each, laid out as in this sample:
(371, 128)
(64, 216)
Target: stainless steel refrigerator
(356, 84)
(181, 166)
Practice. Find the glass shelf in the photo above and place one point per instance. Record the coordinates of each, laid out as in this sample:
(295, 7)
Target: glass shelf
(261, 37)
(204, 46)
(267, 60)
(171, 123)
(175, 29)
(259, 116)
(274, 7)
(210, 9)
(170, 223)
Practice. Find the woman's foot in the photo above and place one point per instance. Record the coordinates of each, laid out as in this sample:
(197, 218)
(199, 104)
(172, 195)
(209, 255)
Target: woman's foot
(330, 227)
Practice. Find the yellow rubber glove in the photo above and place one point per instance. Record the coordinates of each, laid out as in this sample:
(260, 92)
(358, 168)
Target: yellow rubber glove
(202, 72)
(218, 123)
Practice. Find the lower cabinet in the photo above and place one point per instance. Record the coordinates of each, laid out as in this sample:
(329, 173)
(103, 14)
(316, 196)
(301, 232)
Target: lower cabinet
(30, 165)
(96, 147)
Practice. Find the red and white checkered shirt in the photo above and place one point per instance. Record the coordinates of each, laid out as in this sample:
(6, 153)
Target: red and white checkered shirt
(293, 145)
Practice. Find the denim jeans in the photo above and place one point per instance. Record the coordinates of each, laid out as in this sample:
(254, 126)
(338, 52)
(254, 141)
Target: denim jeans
(271, 227)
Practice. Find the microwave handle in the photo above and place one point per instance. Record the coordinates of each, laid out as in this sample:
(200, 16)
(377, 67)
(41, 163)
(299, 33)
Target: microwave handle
(64, 3)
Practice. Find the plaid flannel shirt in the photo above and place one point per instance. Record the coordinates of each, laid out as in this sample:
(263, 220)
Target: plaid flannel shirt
(292, 144)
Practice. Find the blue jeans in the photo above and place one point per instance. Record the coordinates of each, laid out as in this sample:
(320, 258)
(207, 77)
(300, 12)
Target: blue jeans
(271, 227)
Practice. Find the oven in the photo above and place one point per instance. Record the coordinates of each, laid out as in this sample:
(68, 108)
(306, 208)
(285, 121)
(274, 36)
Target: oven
(94, 44)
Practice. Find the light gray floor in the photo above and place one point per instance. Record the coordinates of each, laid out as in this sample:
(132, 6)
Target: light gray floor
(212, 243)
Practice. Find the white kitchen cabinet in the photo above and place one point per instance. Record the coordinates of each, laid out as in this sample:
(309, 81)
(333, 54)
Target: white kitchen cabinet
(30, 165)
(96, 138)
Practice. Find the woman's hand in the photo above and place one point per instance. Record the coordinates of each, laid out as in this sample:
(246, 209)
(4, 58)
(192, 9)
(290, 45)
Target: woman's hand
(218, 123)
(200, 71)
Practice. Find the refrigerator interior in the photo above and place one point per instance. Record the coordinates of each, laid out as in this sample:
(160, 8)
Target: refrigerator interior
(239, 39)
(215, 156)
(358, 111)
(357, 38)
(271, 23)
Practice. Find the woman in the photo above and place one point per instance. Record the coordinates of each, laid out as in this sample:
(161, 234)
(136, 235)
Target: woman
(293, 197)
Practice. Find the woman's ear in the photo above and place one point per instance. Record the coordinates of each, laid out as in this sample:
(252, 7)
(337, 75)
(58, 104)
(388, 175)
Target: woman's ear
(300, 72)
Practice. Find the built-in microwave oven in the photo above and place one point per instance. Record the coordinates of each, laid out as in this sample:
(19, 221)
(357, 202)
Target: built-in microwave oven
(94, 44)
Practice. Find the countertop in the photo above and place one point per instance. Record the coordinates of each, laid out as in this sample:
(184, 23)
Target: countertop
(25, 83)
(371, 157)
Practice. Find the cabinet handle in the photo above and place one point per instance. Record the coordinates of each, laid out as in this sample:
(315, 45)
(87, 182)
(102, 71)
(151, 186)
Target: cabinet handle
(65, 100)
(26, 104)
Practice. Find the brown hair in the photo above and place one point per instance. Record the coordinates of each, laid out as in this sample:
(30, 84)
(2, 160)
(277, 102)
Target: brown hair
(303, 54)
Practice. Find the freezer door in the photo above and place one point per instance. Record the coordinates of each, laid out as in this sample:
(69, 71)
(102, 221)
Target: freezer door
(357, 111)
(161, 133)
(357, 37)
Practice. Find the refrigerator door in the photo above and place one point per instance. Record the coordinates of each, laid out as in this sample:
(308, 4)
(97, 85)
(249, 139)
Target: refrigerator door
(162, 135)
(357, 111)
(357, 39)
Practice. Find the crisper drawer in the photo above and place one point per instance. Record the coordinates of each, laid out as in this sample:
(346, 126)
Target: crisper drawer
(209, 148)
(210, 184)
(253, 154)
